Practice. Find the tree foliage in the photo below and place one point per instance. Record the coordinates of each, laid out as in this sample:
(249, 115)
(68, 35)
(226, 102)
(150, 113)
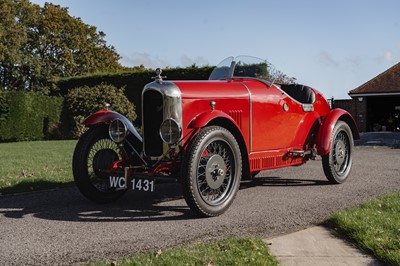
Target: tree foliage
(282, 78)
(38, 44)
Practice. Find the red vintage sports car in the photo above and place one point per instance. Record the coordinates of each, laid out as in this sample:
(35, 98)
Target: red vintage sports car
(209, 135)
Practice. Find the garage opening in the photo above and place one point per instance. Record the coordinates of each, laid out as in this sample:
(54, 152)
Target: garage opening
(383, 113)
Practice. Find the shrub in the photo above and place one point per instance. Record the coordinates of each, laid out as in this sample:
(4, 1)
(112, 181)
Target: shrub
(83, 101)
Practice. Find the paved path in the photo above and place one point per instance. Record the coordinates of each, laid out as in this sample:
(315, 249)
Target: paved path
(317, 246)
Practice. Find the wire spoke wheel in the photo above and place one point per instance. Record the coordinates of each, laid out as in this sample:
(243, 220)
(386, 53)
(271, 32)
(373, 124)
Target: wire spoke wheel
(341, 152)
(337, 163)
(214, 174)
(100, 159)
(94, 156)
(211, 172)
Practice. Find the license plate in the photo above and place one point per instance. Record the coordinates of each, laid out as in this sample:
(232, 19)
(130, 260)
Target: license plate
(140, 184)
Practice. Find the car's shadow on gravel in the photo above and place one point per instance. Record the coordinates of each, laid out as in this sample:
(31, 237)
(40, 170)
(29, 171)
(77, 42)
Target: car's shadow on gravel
(277, 181)
(165, 204)
(68, 204)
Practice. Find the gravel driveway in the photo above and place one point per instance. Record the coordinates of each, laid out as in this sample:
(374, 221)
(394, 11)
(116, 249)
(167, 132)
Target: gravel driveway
(61, 227)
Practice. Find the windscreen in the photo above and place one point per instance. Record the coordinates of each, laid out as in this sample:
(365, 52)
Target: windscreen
(244, 66)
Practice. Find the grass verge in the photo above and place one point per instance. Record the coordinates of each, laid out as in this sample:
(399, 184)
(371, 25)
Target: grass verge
(35, 165)
(374, 226)
(233, 251)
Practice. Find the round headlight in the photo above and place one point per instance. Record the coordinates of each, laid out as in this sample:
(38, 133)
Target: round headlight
(117, 131)
(170, 131)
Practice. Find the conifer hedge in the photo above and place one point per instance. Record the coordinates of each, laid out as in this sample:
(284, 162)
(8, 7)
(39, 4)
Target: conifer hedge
(29, 116)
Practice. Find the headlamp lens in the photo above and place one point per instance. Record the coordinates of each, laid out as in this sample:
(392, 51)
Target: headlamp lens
(118, 131)
(170, 131)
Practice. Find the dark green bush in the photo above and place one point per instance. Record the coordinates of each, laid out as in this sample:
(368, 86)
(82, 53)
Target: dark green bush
(83, 101)
(29, 116)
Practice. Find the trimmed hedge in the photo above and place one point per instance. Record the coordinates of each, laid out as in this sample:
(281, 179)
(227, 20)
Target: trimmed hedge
(29, 116)
(133, 82)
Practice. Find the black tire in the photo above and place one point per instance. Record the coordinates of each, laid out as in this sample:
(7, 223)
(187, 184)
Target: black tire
(337, 163)
(94, 153)
(211, 171)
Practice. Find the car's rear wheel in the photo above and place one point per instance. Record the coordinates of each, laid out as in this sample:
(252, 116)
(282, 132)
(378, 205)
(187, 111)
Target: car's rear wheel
(93, 157)
(211, 171)
(337, 163)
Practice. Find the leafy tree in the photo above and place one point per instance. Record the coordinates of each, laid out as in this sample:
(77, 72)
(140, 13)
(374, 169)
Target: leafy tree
(12, 37)
(282, 78)
(38, 44)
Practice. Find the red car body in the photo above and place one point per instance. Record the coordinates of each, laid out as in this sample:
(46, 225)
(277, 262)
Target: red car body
(259, 124)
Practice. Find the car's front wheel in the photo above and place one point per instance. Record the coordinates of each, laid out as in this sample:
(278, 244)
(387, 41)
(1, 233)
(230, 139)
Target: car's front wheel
(337, 163)
(211, 171)
(93, 157)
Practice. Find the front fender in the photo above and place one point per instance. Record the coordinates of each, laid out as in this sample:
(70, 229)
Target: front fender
(204, 118)
(106, 115)
(327, 125)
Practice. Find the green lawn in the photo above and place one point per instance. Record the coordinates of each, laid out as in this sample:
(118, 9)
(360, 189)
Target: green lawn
(35, 165)
(374, 226)
(233, 251)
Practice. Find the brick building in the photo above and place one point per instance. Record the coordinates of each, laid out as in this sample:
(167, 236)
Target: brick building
(375, 105)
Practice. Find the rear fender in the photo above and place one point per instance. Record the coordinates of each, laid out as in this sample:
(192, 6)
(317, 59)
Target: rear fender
(327, 125)
(106, 115)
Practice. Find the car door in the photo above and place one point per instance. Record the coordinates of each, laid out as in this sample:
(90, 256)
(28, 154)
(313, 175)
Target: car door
(276, 119)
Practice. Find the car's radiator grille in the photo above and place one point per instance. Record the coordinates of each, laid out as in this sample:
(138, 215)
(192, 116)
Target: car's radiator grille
(152, 119)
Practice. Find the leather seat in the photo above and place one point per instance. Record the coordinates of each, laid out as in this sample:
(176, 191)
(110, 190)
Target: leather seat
(300, 93)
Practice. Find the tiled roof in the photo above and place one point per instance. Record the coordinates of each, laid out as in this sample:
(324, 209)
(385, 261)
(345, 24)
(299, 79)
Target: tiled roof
(386, 82)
